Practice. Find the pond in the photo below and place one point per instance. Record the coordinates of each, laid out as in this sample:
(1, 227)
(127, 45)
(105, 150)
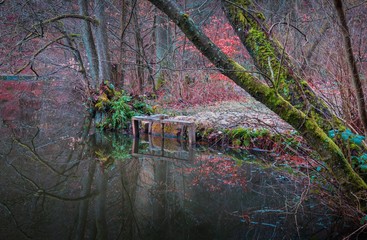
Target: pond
(57, 185)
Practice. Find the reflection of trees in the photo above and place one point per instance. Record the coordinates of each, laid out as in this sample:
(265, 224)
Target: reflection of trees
(100, 206)
(39, 179)
(75, 193)
(86, 183)
(92, 213)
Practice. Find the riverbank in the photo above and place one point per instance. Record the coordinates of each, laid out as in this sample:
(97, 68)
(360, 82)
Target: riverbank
(247, 113)
(247, 124)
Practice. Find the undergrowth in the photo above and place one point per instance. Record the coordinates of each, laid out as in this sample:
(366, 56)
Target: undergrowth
(196, 91)
(114, 109)
(288, 148)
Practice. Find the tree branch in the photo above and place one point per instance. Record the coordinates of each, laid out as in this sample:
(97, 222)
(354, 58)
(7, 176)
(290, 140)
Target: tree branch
(35, 33)
(306, 125)
(86, 18)
(289, 24)
(40, 51)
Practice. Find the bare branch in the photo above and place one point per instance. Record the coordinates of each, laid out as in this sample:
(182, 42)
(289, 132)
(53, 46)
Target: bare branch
(86, 18)
(38, 52)
(35, 33)
(289, 24)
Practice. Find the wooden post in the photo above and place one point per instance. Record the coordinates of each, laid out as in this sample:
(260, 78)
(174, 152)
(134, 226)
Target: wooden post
(162, 126)
(135, 123)
(135, 145)
(191, 153)
(150, 127)
(192, 135)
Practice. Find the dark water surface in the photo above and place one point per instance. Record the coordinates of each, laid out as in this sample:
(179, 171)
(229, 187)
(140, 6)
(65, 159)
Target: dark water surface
(55, 185)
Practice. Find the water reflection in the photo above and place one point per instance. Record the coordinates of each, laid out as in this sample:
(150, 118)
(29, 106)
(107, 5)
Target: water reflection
(114, 187)
(166, 149)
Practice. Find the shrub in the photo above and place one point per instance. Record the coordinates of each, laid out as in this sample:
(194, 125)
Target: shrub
(114, 109)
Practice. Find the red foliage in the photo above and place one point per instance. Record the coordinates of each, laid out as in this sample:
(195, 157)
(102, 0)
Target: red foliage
(216, 173)
(201, 92)
(12, 92)
(222, 34)
(207, 86)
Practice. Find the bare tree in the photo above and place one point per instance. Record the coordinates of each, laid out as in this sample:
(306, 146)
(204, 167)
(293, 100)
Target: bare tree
(163, 45)
(361, 103)
(139, 50)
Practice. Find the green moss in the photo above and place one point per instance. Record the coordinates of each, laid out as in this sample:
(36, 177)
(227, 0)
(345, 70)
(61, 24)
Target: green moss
(260, 16)
(246, 136)
(236, 143)
(277, 67)
(238, 13)
(306, 125)
(266, 57)
(203, 133)
(76, 35)
(185, 16)
(113, 109)
(304, 83)
(160, 81)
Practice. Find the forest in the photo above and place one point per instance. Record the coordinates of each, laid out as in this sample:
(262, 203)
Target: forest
(282, 80)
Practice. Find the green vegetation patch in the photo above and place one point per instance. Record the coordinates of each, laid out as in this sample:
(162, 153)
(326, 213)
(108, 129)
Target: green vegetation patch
(114, 109)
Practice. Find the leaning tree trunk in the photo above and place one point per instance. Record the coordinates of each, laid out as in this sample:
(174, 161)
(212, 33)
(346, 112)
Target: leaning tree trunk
(305, 124)
(275, 65)
(361, 104)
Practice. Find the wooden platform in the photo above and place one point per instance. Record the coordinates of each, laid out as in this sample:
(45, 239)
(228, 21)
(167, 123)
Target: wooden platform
(163, 119)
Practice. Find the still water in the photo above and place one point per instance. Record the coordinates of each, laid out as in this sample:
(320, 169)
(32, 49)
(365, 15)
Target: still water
(54, 184)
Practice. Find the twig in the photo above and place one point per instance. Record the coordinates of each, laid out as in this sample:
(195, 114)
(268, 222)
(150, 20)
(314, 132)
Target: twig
(289, 24)
(358, 230)
(39, 52)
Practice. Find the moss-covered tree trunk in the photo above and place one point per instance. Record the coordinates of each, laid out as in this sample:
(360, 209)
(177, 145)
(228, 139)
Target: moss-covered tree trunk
(271, 97)
(282, 76)
(274, 63)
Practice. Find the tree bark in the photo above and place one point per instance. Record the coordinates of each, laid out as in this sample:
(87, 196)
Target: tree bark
(306, 125)
(89, 44)
(163, 45)
(271, 60)
(314, 45)
(361, 104)
(139, 51)
(124, 24)
(104, 63)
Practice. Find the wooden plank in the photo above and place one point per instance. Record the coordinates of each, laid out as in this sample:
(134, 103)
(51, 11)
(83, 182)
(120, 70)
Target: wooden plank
(144, 118)
(160, 116)
(175, 121)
